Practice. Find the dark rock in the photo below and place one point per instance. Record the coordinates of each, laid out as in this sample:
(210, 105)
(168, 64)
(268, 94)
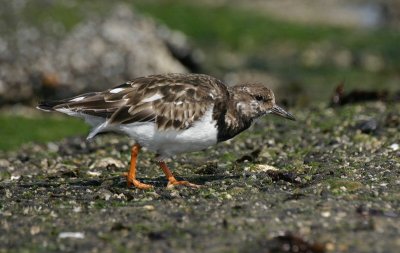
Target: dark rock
(97, 54)
(181, 49)
(249, 157)
(368, 126)
(288, 243)
(284, 176)
(365, 211)
(154, 236)
(210, 168)
(118, 226)
(392, 120)
(23, 157)
(340, 98)
(292, 243)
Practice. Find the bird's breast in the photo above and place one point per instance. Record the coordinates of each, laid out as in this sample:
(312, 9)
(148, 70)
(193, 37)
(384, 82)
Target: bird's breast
(200, 135)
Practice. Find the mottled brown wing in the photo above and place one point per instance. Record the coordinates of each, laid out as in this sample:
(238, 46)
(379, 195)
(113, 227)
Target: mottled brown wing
(171, 101)
(100, 104)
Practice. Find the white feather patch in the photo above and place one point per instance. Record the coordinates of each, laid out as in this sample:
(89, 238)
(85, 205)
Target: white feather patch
(152, 98)
(77, 99)
(116, 90)
(90, 119)
(98, 129)
(68, 112)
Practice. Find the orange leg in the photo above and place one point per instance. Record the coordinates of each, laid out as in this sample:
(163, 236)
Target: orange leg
(131, 175)
(171, 179)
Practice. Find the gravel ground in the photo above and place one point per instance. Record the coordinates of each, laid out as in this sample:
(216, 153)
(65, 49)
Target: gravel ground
(326, 183)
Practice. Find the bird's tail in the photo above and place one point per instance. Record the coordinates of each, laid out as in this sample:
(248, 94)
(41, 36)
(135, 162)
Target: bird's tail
(47, 106)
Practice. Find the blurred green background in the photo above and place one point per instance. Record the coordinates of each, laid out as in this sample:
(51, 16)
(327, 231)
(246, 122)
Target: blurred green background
(303, 49)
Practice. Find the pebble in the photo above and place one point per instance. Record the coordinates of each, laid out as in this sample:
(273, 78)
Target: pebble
(104, 194)
(35, 230)
(4, 163)
(76, 235)
(8, 193)
(148, 207)
(326, 214)
(394, 146)
(261, 168)
(106, 162)
(15, 177)
(94, 173)
(369, 126)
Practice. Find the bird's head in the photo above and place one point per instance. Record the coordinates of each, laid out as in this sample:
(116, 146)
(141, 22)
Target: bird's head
(255, 100)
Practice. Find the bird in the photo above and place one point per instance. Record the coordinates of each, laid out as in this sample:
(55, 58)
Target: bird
(171, 114)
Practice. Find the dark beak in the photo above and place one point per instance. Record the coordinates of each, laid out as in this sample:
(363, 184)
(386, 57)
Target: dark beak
(280, 112)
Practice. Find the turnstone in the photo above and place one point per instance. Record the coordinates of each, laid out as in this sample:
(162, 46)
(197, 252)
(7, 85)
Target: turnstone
(171, 114)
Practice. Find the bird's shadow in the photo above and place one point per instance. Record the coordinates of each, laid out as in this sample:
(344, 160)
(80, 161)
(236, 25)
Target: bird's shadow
(162, 181)
(120, 181)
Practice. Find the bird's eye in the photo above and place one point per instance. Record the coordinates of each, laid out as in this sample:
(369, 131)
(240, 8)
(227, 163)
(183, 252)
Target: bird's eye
(259, 98)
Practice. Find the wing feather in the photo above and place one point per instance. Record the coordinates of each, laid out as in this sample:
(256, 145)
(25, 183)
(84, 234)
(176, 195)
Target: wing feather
(170, 100)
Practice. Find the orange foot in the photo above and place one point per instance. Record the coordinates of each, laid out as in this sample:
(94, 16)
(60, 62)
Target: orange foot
(171, 179)
(172, 182)
(131, 175)
(136, 183)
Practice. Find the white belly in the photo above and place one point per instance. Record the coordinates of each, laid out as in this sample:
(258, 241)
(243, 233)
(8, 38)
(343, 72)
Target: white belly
(199, 136)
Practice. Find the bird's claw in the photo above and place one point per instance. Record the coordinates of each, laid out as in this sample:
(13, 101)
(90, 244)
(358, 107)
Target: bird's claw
(136, 183)
(172, 183)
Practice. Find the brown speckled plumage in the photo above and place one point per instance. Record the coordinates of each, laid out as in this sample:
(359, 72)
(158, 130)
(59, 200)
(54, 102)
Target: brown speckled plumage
(185, 98)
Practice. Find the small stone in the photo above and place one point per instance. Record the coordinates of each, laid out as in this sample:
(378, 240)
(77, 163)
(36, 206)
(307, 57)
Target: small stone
(35, 230)
(330, 246)
(107, 162)
(44, 164)
(53, 214)
(148, 207)
(368, 126)
(326, 214)
(174, 193)
(394, 146)
(76, 235)
(119, 196)
(52, 147)
(228, 196)
(261, 168)
(94, 173)
(4, 163)
(8, 193)
(104, 194)
(15, 177)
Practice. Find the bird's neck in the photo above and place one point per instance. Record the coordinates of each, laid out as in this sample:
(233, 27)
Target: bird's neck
(231, 121)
